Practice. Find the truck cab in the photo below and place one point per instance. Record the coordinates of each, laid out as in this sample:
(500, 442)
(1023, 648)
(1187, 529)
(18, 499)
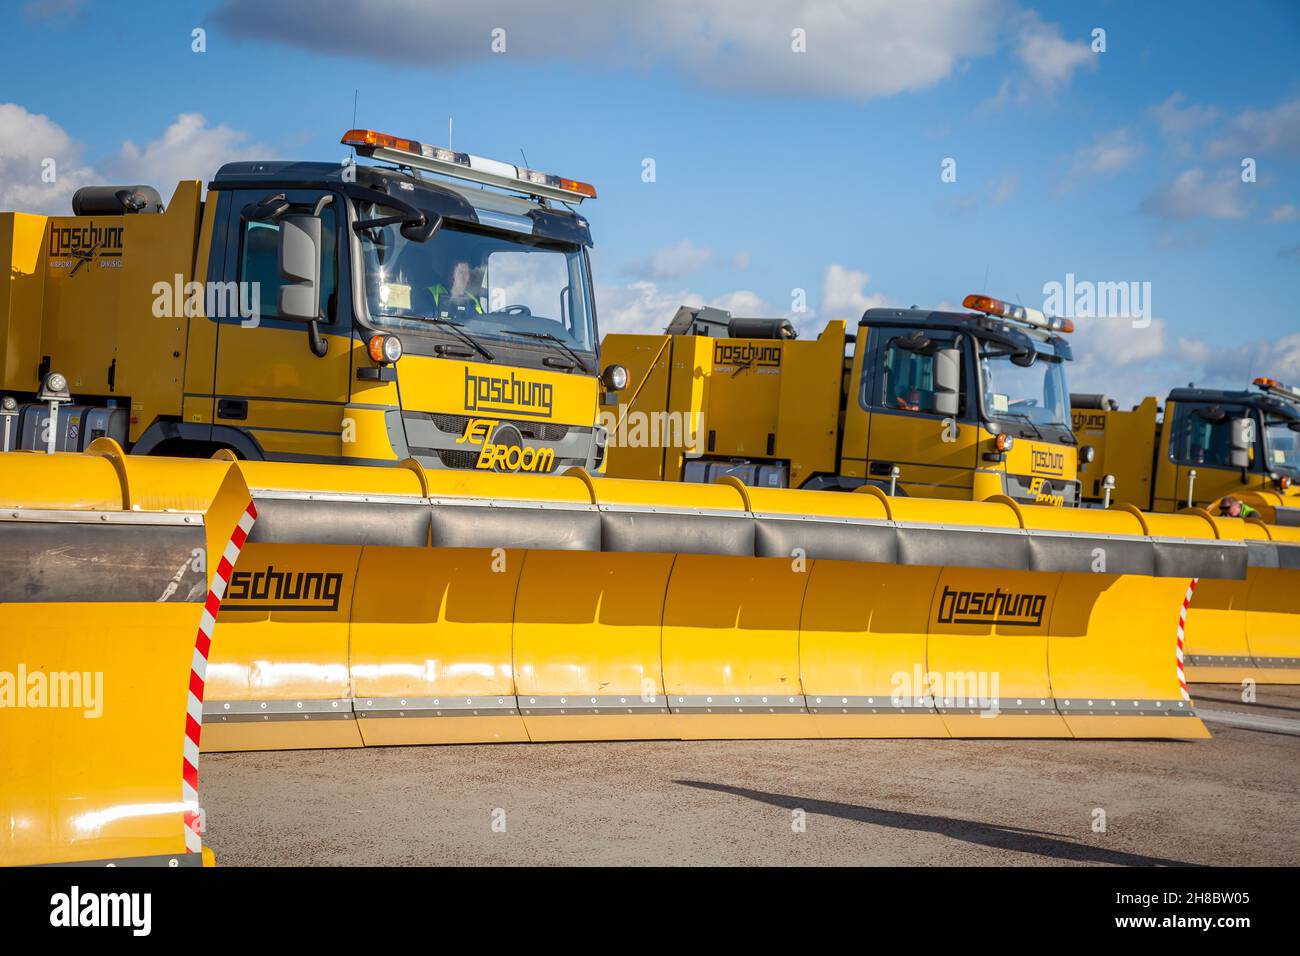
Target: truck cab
(962, 405)
(936, 404)
(439, 308)
(1202, 445)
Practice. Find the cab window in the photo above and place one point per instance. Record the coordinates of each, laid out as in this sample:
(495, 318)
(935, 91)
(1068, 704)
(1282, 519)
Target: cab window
(1202, 434)
(259, 261)
(906, 379)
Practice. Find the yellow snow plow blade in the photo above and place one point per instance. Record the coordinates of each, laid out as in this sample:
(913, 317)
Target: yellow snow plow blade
(105, 571)
(404, 606)
(397, 606)
(1249, 630)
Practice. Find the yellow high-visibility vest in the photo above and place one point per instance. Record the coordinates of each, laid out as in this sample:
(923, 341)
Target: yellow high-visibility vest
(441, 290)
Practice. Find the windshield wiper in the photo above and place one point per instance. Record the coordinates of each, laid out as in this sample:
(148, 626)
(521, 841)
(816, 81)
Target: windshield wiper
(457, 329)
(1027, 420)
(560, 343)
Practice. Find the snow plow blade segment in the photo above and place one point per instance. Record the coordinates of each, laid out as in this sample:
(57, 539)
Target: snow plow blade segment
(1249, 630)
(404, 606)
(399, 606)
(1273, 508)
(105, 568)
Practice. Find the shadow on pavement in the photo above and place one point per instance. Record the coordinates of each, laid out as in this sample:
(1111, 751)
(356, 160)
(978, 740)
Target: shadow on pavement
(996, 836)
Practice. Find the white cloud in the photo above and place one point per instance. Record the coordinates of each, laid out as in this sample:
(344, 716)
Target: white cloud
(1235, 366)
(27, 140)
(639, 307)
(1177, 121)
(1117, 341)
(187, 149)
(1050, 59)
(1194, 195)
(1128, 364)
(860, 50)
(844, 296)
(1195, 352)
(1254, 132)
(671, 262)
(1113, 358)
(1107, 154)
(1287, 212)
(644, 306)
(742, 302)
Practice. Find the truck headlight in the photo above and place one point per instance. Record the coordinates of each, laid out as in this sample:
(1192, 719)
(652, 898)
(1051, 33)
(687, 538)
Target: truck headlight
(384, 349)
(614, 378)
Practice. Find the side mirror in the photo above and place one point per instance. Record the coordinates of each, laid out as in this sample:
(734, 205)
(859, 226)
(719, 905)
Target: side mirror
(1294, 426)
(266, 209)
(1243, 437)
(300, 238)
(1024, 359)
(299, 253)
(421, 230)
(947, 381)
(915, 341)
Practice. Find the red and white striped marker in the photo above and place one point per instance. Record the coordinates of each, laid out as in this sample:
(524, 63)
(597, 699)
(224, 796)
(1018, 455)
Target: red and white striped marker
(1182, 628)
(198, 675)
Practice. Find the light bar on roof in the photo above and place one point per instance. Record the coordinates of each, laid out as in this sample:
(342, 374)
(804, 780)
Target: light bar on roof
(1274, 387)
(488, 172)
(1018, 313)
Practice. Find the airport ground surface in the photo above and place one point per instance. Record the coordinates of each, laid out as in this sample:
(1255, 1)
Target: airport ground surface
(1231, 800)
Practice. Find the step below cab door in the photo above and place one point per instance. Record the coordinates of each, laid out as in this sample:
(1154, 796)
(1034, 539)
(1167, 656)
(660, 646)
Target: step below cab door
(269, 384)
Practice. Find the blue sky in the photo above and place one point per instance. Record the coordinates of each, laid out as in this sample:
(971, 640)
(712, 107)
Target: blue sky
(775, 170)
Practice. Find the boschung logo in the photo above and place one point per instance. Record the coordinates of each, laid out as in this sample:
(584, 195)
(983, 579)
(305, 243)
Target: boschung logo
(991, 607)
(746, 356)
(272, 590)
(518, 396)
(1049, 461)
(1090, 421)
(67, 240)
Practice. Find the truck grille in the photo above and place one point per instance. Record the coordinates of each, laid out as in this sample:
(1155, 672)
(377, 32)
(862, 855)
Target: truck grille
(455, 425)
(452, 458)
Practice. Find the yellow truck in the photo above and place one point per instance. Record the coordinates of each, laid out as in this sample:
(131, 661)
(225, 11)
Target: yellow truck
(1202, 445)
(936, 404)
(438, 307)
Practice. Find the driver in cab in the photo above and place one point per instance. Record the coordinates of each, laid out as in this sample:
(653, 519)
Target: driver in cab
(456, 302)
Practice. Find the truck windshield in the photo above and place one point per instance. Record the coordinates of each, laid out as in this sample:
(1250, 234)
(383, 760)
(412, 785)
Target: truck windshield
(495, 287)
(1282, 445)
(1037, 393)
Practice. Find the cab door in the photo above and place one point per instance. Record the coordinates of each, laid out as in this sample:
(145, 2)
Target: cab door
(269, 384)
(1200, 440)
(935, 454)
